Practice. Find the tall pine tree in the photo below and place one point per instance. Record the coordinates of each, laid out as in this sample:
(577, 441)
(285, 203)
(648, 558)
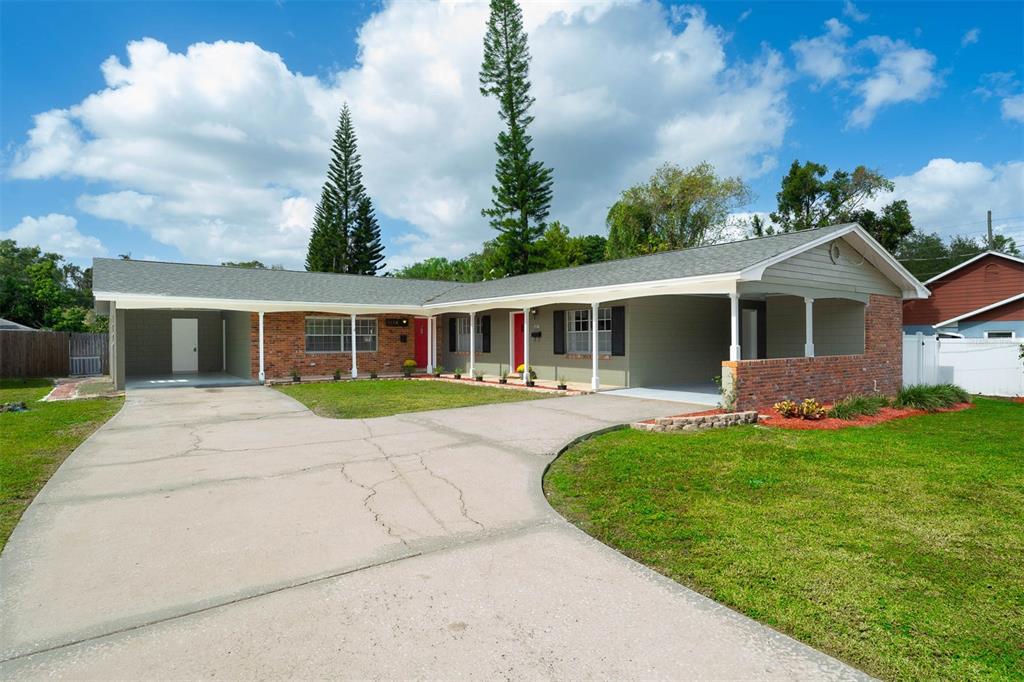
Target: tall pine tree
(522, 196)
(341, 241)
(366, 253)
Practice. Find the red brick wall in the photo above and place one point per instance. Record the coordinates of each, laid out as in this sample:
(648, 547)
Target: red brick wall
(284, 347)
(762, 383)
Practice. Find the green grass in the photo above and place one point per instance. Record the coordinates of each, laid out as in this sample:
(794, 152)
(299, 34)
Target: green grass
(898, 548)
(34, 443)
(383, 397)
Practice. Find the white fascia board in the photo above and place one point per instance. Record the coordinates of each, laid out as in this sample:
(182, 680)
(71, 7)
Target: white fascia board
(143, 301)
(979, 310)
(717, 283)
(971, 260)
(877, 256)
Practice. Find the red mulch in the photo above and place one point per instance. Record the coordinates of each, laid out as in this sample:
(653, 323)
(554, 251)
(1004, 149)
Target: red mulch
(830, 423)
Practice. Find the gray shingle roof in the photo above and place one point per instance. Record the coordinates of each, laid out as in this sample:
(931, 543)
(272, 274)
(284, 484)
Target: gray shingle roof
(704, 260)
(215, 281)
(211, 281)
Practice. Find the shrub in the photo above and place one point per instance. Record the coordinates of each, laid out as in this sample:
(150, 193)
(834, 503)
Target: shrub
(931, 398)
(856, 405)
(811, 409)
(522, 368)
(788, 409)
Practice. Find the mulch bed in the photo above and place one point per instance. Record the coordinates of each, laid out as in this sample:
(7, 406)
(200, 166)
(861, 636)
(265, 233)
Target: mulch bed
(831, 423)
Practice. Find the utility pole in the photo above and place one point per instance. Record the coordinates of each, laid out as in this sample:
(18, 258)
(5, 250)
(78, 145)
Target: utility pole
(991, 246)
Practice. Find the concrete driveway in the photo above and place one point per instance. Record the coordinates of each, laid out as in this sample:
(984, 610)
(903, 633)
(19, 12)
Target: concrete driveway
(231, 533)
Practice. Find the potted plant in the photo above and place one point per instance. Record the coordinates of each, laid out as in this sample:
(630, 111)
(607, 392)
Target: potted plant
(479, 376)
(561, 383)
(296, 377)
(458, 372)
(531, 378)
(337, 374)
(373, 374)
(407, 367)
(438, 371)
(503, 377)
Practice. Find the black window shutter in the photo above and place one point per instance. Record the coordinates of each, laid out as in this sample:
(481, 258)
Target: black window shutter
(618, 330)
(559, 333)
(485, 331)
(452, 334)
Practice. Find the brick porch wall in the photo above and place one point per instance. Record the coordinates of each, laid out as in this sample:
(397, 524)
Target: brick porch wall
(761, 383)
(284, 347)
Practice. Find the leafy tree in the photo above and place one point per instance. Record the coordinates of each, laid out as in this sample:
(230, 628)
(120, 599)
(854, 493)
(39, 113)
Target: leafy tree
(247, 264)
(808, 199)
(677, 208)
(890, 228)
(366, 253)
(473, 268)
(927, 255)
(40, 290)
(333, 246)
(522, 194)
(557, 249)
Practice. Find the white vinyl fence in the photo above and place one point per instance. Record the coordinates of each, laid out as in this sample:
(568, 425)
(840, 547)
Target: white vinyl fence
(985, 366)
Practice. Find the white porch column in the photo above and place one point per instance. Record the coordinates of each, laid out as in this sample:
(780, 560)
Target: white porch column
(430, 345)
(526, 345)
(809, 327)
(595, 380)
(734, 326)
(355, 371)
(472, 344)
(263, 375)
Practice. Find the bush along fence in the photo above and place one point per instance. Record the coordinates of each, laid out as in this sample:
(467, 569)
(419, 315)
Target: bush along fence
(26, 354)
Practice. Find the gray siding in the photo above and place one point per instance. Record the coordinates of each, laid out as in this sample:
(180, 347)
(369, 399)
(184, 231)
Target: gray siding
(815, 268)
(238, 343)
(491, 363)
(147, 340)
(838, 327)
(677, 339)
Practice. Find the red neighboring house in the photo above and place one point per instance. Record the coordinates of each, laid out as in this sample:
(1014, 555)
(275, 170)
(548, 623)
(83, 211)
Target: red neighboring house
(980, 298)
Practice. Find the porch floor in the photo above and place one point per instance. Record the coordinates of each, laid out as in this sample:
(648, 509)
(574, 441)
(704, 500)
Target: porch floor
(695, 394)
(198, 380)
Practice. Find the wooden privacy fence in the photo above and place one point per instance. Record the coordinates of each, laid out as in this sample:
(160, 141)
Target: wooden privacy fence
(89, 354)
(52, 354)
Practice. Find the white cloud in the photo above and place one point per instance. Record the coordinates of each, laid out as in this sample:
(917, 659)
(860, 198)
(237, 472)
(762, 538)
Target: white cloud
(221, 150)
(971, 37)
(899, 72)
(851, 12)
(951, 197)
(903, 74)
(824, 58)
(58, 233)
(1012, 108)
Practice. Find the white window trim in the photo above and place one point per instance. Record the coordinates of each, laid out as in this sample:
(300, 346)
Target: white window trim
(345, 336)
(1012, 334)
(604, 340)
(462, 334)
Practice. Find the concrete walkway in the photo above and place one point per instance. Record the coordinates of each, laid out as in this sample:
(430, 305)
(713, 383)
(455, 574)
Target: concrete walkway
(231, 533)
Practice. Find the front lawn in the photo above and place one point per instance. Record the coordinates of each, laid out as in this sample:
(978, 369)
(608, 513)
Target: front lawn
(34, 443)
(382, 397)
(898, 548)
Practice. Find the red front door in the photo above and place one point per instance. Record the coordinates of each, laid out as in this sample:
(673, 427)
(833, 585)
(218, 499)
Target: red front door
(420, 330)
(517, 340)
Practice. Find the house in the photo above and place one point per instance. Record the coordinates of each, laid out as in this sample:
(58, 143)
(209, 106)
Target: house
(981, 298)
(813, 313)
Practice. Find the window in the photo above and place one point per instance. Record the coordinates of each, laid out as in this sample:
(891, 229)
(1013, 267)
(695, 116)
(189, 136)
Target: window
(577, 331)
(462, 334)
(323, 334)
(334, 335)
(1000, 335)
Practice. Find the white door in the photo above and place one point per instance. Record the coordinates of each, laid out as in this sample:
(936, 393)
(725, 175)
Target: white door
(748, 344)
(184, 344)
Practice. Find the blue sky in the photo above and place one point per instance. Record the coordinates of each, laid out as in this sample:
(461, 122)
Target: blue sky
(207, 140)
